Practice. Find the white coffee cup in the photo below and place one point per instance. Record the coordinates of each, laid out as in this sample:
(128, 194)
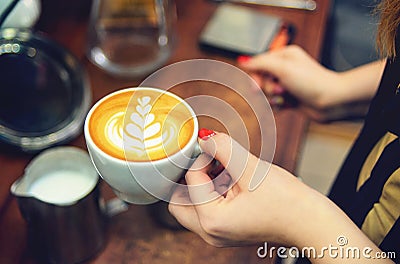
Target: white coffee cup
(140, 182)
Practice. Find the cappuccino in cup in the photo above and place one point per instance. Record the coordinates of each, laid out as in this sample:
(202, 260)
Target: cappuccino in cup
(141, 140)
(154, 126)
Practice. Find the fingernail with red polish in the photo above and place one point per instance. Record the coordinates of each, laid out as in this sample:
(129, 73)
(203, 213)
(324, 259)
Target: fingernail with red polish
(243, 59)
(205, 134)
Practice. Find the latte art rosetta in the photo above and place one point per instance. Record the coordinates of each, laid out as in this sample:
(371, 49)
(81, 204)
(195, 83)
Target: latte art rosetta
(142, 126)
(142, 133)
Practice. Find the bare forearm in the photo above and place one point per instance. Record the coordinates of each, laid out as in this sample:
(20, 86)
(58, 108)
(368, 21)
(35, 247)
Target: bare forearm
(358, 84)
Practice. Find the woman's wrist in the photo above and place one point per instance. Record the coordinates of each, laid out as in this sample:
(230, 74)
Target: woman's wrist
(329, 85)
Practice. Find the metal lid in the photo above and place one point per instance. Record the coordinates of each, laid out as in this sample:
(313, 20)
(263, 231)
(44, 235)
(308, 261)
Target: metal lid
(44, 92)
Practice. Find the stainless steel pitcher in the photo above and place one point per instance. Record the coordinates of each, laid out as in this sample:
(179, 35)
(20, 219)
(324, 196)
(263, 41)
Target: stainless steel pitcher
(62, 229)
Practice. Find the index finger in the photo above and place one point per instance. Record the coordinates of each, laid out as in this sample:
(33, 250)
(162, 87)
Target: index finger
(268, 62)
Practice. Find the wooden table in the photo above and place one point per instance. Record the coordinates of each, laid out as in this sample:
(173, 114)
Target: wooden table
(133, 236)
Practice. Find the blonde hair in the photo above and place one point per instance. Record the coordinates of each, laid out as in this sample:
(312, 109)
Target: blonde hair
(389, 12)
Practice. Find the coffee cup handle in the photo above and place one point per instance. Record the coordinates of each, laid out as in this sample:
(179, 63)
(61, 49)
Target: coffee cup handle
(217, 166)
(197, 151)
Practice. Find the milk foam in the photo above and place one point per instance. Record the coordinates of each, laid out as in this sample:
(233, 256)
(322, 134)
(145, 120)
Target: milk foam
(141, 125)
(62, 187)
(114, 129)
(141, 133)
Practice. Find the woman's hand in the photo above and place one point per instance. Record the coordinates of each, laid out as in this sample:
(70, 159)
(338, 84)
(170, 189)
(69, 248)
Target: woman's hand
(223, 211)
(318, 89)
(253, 202)
(294, 70)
